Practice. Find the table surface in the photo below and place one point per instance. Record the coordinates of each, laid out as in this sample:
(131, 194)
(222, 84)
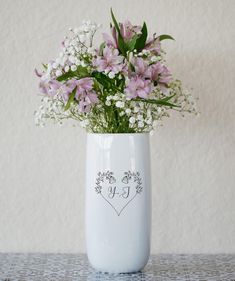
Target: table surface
(69, 267)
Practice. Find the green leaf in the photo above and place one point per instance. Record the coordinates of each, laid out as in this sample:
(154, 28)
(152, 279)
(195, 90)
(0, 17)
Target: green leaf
(115, 23)
(132, 67)
(71, 98)
(131, 44)
(66, 76)
(168, 98)
(44, 65)
(165, 36)
(140, 42)
(158, 102)
(105, 81)
(102, 78)
(79, 73)
(121, 43)
(102, 45)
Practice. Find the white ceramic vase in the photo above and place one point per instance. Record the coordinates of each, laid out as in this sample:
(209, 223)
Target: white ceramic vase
(118, 202)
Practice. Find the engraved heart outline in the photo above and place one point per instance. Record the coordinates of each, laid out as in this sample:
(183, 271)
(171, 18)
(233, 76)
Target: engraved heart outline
(108, 176)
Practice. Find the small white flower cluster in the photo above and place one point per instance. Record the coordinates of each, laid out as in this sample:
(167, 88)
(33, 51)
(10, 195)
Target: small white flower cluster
(50, 108)
(152, 58)
(142, 117)
(183, 98)
(75, 50)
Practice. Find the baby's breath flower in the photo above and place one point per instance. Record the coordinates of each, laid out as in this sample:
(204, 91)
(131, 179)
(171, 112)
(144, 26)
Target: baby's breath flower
(132, 120)
(120, 104)
(136, 109)
(108, 102)
(111, 75)
(58, 72)
(66, 69)
(140, 124)
(154, 58)
(73, 67)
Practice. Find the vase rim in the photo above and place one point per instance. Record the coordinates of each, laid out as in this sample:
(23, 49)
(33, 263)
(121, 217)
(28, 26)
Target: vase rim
(118, 134)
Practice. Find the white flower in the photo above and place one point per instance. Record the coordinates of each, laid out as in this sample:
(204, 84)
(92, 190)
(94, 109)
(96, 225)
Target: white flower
(148, 112)
(111, 75)
(136, 109)
(66, 69)
(108, 102)
(64, 59)
(128, 111)
(66, 42)
(145, 52)
(76, 30)
(82, 38)
(154, 58)
(73, 67)
(49, 67)
(140, 117)
(72, 59)
(55, 65)
(140, 124)
(132, 120)
(58, 72)
(120, 104)
(90, 51)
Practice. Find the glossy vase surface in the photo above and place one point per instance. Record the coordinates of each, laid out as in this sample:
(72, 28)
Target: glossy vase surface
(118, 201)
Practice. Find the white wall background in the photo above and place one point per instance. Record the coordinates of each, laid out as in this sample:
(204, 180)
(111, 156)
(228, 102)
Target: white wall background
(193, 159)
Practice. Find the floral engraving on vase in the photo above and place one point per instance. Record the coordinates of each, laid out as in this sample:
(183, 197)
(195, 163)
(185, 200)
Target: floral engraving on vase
(118, 193)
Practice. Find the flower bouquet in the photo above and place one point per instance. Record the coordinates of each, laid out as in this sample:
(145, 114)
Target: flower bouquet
(118, 92)
(121, 86)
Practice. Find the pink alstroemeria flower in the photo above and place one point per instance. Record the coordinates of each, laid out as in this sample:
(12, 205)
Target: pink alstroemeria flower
(110, 61)
(111, 41)
(128, 30)
(87, 100)
(153, 45)
(138, 87)
(84, 85)
(140, 66)
(85, 95)
(67, 88)
(165, 76)
(49, 87)
(159, 72)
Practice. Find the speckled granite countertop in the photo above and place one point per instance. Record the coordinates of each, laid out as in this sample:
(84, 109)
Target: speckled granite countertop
(69, 267)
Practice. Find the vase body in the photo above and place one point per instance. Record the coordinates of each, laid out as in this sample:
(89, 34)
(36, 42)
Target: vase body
(118, 202)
